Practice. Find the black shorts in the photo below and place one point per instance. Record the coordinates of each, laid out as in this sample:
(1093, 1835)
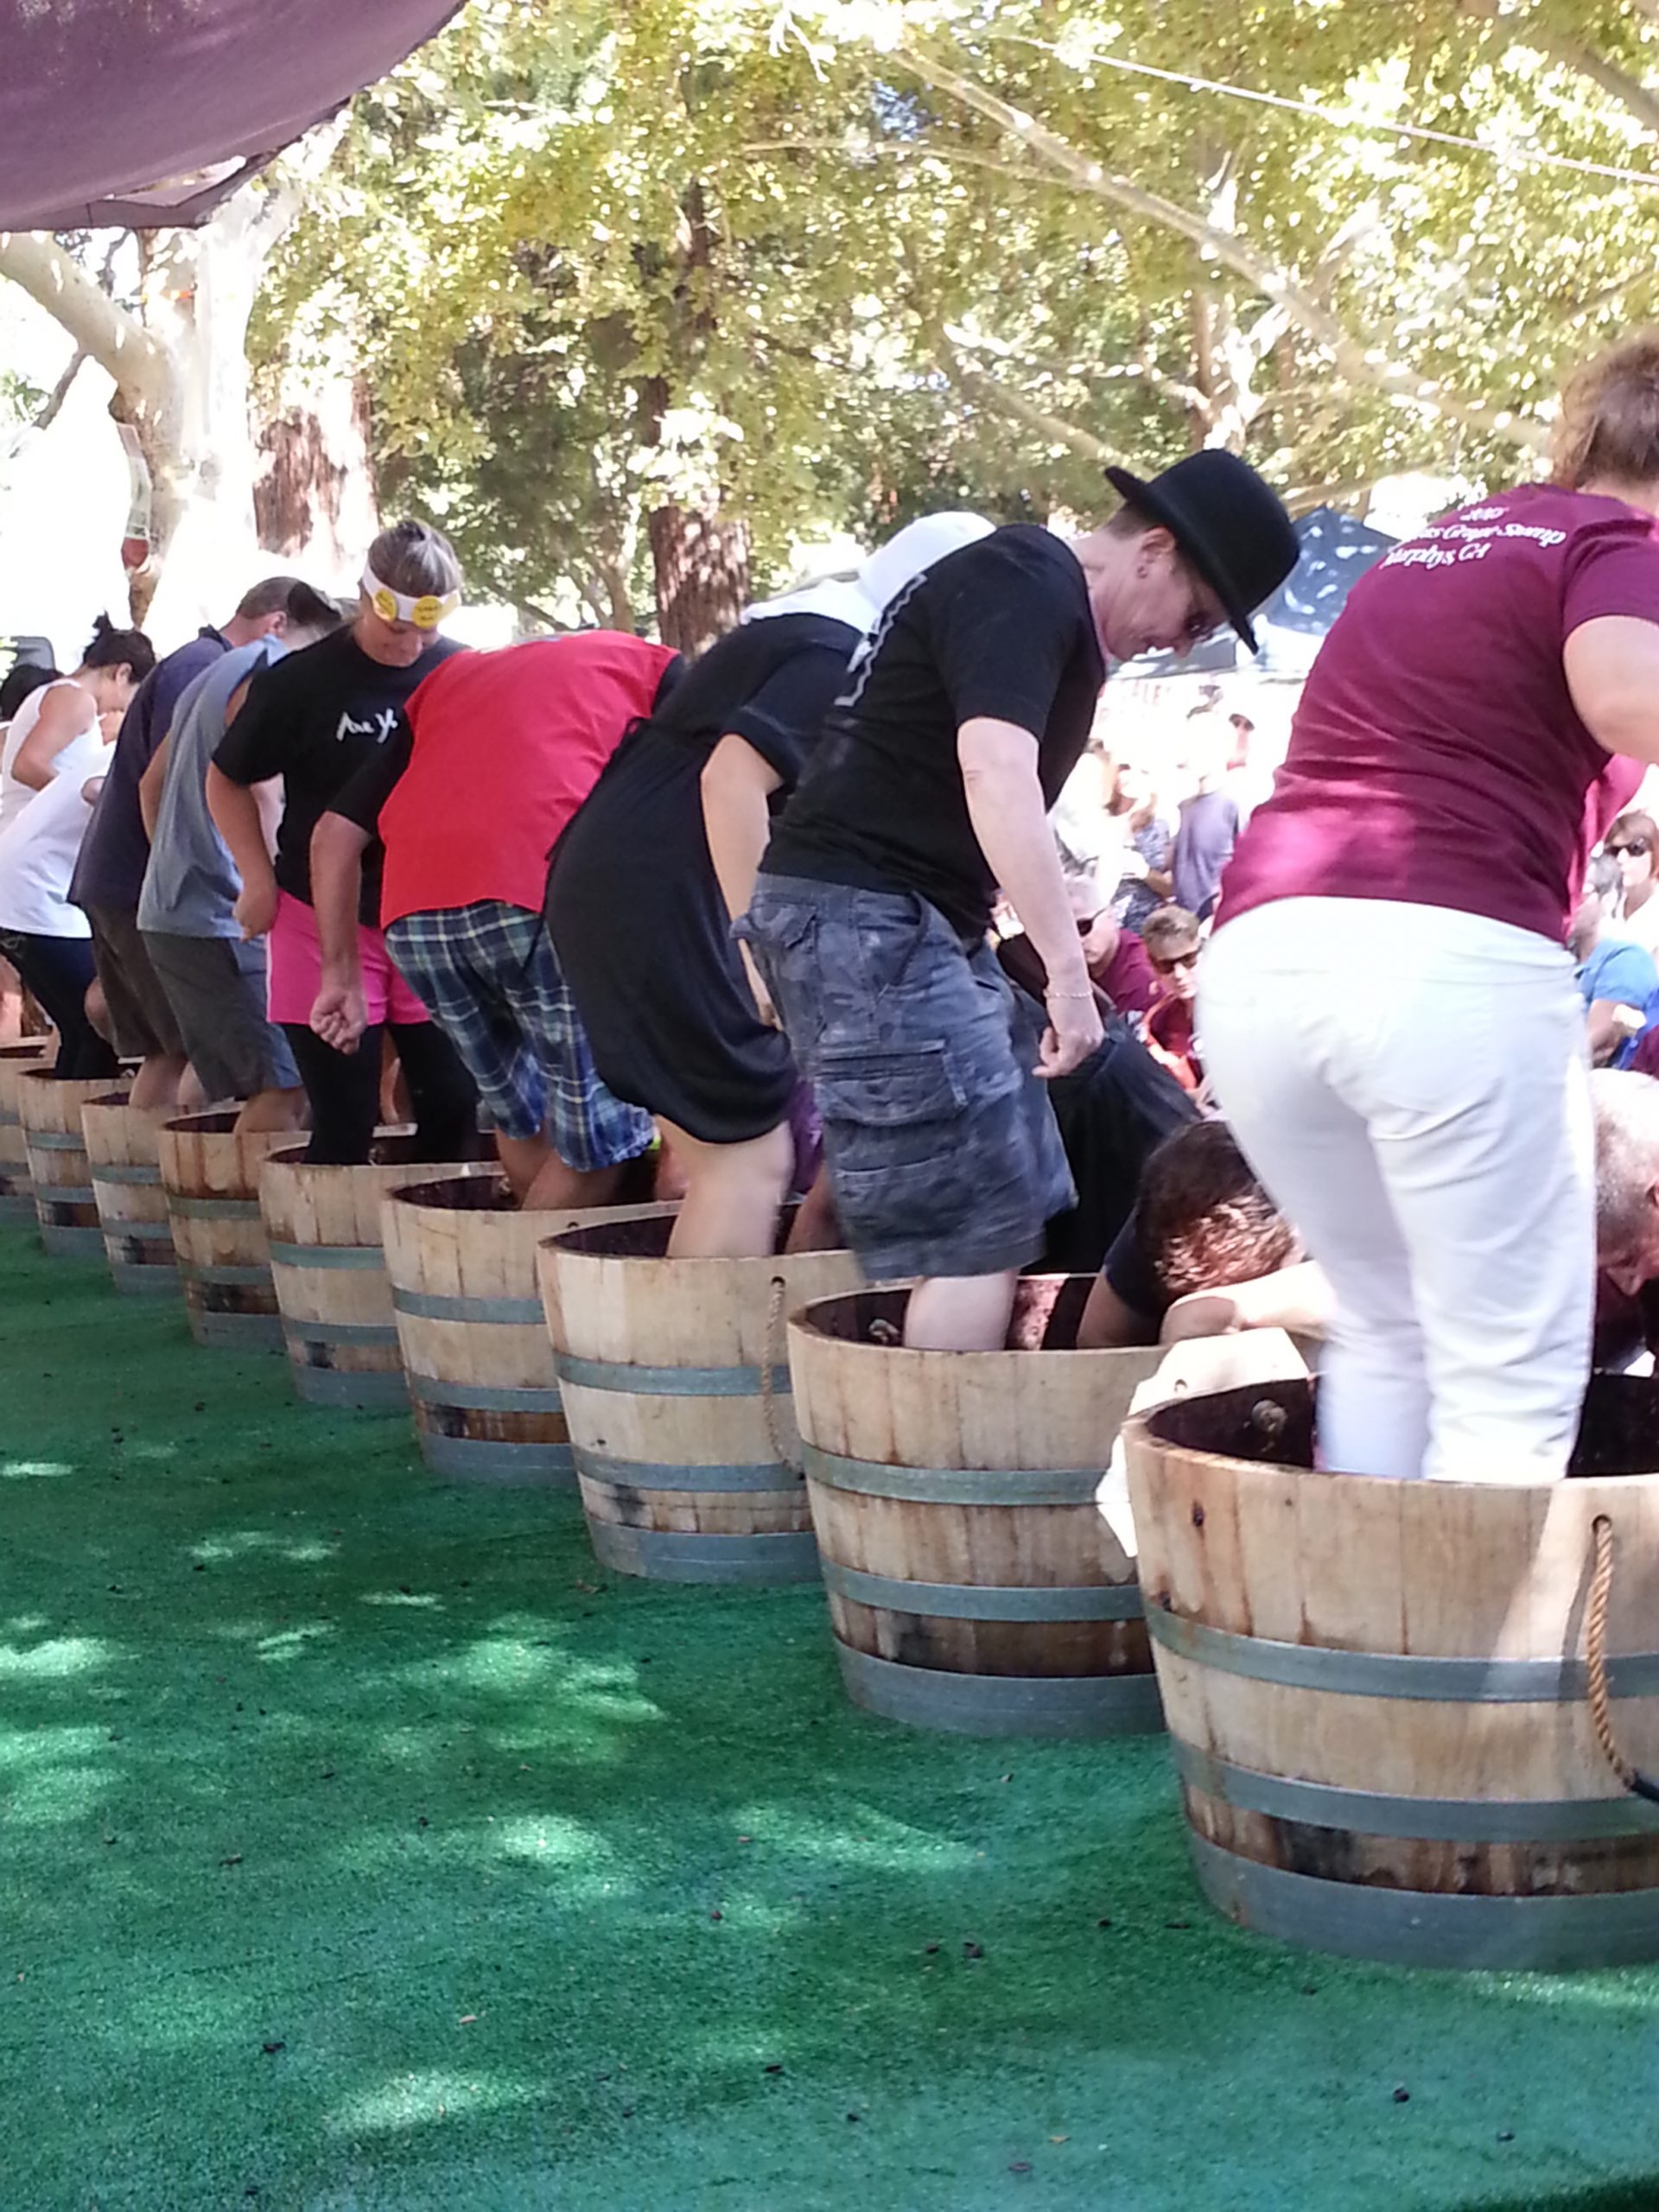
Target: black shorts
(140, 1015)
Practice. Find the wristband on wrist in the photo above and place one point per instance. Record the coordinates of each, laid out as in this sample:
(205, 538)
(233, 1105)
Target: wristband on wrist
(1053, 993)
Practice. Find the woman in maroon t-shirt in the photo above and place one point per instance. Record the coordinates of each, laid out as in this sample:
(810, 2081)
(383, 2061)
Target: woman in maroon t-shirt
(1388, 1013)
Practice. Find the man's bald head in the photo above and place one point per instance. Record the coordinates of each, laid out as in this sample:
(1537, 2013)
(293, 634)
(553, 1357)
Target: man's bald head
(1626, 1107)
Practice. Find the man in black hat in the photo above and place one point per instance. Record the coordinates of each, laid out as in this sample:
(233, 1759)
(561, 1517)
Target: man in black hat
(928, 791)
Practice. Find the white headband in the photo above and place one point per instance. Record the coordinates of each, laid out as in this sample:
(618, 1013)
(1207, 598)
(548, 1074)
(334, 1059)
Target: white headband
(425, 612)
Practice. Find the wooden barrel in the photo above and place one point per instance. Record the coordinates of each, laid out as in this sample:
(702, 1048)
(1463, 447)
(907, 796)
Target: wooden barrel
(973, 1584)
(460, 1254)
(210, 1177)
(124, 1166)
(329, 1268)
(661, 1362)
(65, 1206)
(1376, 1693)
(16, 1190)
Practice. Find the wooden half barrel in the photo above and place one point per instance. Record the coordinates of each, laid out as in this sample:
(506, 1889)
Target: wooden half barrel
(666, 1367)
(460, 1255)
(123, 1158)
(55, 1146)
(973, 1584)
(1376, 1691)
(210, 1177)
(329, 1268)
(16, 1190)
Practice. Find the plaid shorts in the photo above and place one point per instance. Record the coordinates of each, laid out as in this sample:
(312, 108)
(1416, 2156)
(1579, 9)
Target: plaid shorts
(488, 976)
(942, 1149)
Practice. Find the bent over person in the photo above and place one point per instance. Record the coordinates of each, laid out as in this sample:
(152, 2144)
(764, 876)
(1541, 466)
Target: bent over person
(469, 796)
(929, 790)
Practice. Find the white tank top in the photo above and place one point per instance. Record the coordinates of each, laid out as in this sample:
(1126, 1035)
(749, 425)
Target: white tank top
(39, 848)
(14, 796)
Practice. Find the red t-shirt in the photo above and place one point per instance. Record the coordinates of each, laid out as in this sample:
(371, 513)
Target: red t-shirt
(1435, 758)
(504, 748)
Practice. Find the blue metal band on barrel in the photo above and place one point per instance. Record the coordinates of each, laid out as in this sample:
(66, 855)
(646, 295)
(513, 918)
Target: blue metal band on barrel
(213, 1209)
(146, 1282)
(240, 1276)
(102, 1173)
(380, 1333)
(65, 1194)
(328, 1255)
(364, 1393)
(955, 1485)
(661, 1474)
(1391, 1674)
(1435, 1819)
(1428, 1928)
(141, 1232)
(667, 1381)
(18, 1204)
(238, 1332)
(431, 1305)
(1002, 1704)
(71, 1244)
(53, 1140)
(475, 1458)
(477, 1398)
(669, 1555)
(964, 1601)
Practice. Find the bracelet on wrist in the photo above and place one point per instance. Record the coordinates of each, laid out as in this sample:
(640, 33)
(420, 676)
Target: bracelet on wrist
(1053, 993)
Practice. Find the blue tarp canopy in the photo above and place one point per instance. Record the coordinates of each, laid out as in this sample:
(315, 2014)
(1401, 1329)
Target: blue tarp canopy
(145, 113)
(1335, 550)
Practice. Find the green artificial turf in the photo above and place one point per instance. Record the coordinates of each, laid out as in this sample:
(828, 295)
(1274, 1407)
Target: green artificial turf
(366, 1848)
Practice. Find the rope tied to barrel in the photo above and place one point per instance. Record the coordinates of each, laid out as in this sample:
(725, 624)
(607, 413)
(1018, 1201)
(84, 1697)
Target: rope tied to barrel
(776, 1343)
(1595, 1654)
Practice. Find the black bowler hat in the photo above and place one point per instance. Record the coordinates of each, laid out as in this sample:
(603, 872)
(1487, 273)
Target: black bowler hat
(1230, 525)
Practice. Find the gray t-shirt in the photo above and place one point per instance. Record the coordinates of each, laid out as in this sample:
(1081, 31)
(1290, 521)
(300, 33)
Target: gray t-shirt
(191, 883)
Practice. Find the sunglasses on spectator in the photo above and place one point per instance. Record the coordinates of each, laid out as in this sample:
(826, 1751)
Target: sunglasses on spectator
(1637, 847)
(1167, 963)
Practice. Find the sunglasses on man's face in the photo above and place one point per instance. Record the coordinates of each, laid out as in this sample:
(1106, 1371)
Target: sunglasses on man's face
(1167, 963)
(1636, 847)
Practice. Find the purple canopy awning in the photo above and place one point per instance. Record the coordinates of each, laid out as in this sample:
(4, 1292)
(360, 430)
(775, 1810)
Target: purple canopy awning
(147, 113)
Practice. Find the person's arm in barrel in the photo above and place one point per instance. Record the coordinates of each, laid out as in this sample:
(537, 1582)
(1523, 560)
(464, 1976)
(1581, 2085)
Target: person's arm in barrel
(1295, 1298)
(1005, 804)
(338, 1015)
(736, 784)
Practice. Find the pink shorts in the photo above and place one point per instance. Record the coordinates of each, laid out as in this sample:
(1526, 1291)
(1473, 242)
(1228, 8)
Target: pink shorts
(296, 971)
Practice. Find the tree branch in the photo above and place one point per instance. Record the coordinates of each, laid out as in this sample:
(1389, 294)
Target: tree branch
(1003, 400)
(1359, 362)
(60, 391)
(1576, 55)
(106, 333)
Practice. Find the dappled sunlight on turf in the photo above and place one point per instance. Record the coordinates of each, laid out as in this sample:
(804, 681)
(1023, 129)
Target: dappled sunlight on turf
(19, 1471)
(56, 1656)
(247, 1543)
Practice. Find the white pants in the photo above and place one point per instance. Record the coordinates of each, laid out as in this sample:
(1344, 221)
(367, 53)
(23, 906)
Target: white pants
(1409, 1082)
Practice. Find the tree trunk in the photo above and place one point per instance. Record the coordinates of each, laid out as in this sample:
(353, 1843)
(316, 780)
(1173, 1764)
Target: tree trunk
(313, 495)
(702, 565)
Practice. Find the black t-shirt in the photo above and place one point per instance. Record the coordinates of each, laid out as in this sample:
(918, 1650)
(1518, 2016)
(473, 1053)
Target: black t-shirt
(361, 798)
(314, 719)
(1130, 1271)
(1003, 629)
(771, 681)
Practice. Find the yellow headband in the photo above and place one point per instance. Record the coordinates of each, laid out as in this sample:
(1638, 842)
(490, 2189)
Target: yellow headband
(425, 612)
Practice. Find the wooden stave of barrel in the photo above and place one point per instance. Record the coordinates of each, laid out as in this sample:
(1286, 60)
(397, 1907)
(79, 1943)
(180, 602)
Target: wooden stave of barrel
(16, 1189)
(323, 1225)
(123, 1167)
(66, 1207)
(973, 1585)
(211, 1176)
(1376, 1696)
(661, 1362)
(461, 1258)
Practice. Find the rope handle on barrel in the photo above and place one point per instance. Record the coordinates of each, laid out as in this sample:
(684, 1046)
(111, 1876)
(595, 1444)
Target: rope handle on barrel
(776, 1343)
(1595, 1654)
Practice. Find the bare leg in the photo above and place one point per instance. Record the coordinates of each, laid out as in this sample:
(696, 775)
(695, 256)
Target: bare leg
(155, 1086)
(273, 1109)
(670, 1184)
(543, 1182)
(192, 1092)
(11, 1003)
(732, 1196)
(817, 1226)
(960, 1313)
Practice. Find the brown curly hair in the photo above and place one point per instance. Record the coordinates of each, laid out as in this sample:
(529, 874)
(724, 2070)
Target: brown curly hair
(1206, 1221)
(1608, 428)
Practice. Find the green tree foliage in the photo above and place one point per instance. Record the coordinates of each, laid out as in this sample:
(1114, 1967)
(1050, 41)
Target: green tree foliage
(844, 260)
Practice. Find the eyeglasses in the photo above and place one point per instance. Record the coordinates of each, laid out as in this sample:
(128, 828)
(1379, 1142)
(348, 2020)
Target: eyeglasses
(1201, 620)
(1167, 963)
(1636, 847)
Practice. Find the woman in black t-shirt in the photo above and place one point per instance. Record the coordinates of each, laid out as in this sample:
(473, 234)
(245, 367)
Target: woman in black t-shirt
(660, 858)
(312, 719)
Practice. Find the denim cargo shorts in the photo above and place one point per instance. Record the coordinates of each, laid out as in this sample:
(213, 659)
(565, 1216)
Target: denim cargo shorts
(942, 1149)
